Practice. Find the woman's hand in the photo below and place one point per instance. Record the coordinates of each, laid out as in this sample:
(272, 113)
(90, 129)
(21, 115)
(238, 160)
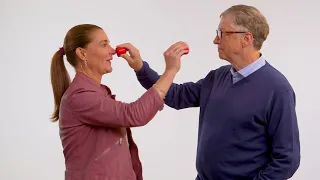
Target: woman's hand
(173, 56)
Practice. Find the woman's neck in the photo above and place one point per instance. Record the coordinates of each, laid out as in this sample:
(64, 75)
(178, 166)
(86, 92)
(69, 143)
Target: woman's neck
(95, 77)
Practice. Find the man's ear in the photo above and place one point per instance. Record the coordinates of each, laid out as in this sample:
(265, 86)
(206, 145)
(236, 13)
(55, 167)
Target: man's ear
(81, 53)
(247, 39)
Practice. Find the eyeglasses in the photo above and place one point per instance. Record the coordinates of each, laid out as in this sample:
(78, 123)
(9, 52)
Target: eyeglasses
(219, 33)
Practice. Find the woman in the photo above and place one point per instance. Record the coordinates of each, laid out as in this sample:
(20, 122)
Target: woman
(94, 127)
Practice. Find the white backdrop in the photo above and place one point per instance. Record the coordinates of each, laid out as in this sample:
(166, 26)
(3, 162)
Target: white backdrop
(31, 31)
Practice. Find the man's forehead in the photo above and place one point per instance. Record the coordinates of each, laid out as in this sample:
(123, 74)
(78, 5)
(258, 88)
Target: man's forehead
(225, 22)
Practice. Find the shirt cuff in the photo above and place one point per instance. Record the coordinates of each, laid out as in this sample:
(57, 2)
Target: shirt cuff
(143, 70)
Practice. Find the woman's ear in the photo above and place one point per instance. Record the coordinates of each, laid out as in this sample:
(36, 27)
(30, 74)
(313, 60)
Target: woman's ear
(81, 53)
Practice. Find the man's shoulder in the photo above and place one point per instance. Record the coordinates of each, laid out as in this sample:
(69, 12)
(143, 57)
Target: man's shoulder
(220, 72)
(276, 79)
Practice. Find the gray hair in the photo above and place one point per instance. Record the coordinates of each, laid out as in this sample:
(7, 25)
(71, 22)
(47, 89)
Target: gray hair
(250, 19)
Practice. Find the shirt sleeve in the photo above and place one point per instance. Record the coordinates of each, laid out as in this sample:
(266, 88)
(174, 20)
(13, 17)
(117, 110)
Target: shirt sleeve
(179, 96)
(284, 137)
(92, 107)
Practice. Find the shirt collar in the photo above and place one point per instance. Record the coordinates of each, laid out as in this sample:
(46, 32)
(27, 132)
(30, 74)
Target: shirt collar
(244, 72)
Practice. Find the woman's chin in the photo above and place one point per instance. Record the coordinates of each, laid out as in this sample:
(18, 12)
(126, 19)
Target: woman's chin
(108, 70)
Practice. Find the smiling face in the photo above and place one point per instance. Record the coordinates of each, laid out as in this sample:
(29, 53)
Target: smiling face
(97, 55)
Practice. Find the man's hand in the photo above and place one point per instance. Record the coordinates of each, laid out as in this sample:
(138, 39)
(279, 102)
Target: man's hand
(134, 59)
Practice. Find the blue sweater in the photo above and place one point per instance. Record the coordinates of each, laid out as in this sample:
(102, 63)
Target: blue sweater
(247, 130)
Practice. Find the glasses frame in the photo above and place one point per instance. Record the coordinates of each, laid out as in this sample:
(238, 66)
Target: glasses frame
(219, 32)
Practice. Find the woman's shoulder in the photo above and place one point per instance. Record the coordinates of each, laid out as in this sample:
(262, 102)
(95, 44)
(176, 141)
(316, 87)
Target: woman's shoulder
(81, 88)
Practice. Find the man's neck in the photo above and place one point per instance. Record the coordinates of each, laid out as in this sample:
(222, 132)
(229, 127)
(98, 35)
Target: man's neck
(243, 60)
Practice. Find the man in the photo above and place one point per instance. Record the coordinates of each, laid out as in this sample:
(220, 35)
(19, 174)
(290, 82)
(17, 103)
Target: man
(247, 125)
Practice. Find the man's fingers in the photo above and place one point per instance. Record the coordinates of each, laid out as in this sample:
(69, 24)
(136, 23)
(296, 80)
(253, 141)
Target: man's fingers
(126, 57)
(130, 48)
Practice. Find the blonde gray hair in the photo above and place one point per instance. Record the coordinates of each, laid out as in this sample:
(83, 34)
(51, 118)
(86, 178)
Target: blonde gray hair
(250, 19)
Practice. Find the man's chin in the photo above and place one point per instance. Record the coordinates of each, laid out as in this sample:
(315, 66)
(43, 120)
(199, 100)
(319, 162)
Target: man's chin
(222, 57)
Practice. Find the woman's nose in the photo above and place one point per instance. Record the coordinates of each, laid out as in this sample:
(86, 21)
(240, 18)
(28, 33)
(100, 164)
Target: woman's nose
(112, 51)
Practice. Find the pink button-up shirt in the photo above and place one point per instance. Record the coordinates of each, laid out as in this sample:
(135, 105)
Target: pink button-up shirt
(95, 131)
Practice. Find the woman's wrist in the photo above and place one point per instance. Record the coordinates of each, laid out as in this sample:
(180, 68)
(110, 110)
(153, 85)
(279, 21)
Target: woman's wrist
(161, 93)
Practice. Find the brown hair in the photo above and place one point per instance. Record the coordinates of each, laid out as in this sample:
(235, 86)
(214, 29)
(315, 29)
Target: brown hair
(251, 19)
(77, 36)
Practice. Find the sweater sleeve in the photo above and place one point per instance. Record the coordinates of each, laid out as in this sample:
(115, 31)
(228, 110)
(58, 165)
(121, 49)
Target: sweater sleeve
(284, 135)
(179, 96)
(92, 107)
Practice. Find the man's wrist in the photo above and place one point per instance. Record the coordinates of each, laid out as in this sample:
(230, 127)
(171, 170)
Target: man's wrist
(139, 66)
